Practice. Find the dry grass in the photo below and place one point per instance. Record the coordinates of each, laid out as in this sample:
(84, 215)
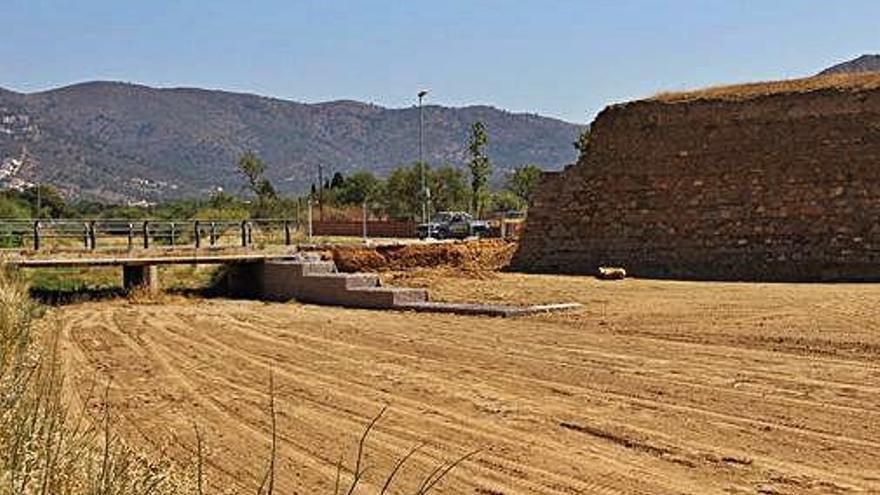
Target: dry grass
(48, 448)
(738, 92)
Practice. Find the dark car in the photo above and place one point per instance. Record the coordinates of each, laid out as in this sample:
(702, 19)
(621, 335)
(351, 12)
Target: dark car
(452, 225)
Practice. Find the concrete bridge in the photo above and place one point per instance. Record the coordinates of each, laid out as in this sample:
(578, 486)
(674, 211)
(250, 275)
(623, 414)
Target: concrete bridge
(287, 276)
(142, 271)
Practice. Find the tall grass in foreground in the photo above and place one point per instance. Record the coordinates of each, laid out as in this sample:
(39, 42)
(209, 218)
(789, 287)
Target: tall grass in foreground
(46, 448)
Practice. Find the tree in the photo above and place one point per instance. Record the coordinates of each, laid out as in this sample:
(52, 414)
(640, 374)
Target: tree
(402, 193)
(582, 145)
(253, 169)
(479, 165)
(523, 181)
(360, 187)
(12, 209)
(450, 190)
(337, 181)
(45, 201)
(502, 201)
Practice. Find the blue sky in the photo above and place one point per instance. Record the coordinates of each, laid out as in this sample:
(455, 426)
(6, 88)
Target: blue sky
(566, 59)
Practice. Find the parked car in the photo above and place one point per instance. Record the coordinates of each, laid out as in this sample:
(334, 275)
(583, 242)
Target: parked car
(452, 225)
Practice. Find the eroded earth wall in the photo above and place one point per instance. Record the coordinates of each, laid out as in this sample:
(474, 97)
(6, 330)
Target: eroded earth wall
(778, 187)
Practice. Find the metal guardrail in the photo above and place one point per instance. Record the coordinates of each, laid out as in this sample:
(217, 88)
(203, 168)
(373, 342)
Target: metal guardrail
(131, 234)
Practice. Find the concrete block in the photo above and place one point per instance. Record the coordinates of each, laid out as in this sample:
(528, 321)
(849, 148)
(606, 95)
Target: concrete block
(141, 277)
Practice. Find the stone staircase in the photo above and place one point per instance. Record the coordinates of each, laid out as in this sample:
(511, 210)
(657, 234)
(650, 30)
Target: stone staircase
(319, 282)
(315, 281)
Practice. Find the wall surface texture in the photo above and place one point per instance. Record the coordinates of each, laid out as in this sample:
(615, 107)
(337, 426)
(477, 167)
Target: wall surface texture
(777, 187)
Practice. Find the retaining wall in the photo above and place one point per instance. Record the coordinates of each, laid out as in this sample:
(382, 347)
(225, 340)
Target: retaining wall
(776, 187)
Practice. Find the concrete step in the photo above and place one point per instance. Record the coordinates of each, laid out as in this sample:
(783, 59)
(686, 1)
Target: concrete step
(384, 297)
(479, 309)
(340, 281)
(300, 268)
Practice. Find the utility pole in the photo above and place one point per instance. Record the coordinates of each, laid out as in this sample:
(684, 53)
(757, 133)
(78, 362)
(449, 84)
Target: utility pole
(321, 192)
(422, 164)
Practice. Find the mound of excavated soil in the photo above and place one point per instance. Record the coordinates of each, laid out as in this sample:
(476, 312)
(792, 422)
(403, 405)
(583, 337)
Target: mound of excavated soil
(484, 254)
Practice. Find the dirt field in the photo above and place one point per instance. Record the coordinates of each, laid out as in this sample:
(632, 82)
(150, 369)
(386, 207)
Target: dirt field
(653, 388)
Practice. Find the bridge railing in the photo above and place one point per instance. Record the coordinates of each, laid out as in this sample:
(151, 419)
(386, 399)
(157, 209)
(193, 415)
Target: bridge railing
(91, 234)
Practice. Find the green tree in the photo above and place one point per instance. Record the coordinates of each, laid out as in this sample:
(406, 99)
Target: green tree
(11, 208)
(502, 201)
(45, 201)
(402, 193)
(480, 167)
(449, 189)
(523, 181)
(582, 145)
(361, 186)
(337, 181)
(222, 206)
(253, 169)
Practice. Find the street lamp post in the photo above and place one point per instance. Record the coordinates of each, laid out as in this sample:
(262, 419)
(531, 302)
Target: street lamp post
(422, 157)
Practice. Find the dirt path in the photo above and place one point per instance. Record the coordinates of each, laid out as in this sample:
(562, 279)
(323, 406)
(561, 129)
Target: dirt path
(656, 387)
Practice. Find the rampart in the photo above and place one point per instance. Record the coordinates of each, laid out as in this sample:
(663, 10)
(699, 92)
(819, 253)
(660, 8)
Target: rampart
(757, 185)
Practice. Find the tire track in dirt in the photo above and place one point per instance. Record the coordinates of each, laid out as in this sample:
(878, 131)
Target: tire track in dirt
(806, 431)
(795, 430)
(610, 403)
(255, 336)
(413, 408)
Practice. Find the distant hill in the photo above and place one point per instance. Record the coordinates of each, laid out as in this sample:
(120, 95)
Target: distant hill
(123, 142)
(865, 63)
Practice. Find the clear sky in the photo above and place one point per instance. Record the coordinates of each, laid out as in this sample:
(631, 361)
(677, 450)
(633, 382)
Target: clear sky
(566, 59)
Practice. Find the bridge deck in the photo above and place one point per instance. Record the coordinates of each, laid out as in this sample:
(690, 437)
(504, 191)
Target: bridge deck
(176, 259)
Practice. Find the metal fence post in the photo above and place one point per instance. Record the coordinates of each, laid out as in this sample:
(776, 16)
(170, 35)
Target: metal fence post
(213, 233)
(146, 234)
(173, 231)
(310, 220)
(85, 235)
(244, 233)
(130, 236)
(287, 233)
(197, 235)
(365, 222)
(93, 236)
(37, 235)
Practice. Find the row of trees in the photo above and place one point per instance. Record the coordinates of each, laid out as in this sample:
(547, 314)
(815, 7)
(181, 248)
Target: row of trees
(400, 195)
(397, 196)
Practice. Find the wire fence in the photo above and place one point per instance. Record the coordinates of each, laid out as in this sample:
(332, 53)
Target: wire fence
(92, 234)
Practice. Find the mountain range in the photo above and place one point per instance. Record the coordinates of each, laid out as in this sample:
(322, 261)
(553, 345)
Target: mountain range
(864, 63)
(121, 142)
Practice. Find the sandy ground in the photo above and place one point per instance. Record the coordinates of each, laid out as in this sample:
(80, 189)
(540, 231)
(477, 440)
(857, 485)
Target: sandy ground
(653, 388)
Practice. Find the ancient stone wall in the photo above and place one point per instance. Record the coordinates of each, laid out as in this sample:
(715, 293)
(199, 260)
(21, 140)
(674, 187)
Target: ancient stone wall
(775, 187)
